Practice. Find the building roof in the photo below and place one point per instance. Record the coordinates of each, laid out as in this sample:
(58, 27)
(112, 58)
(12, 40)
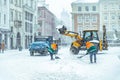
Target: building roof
(86, 1)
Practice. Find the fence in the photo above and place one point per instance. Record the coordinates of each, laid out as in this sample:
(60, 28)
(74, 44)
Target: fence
(113, 43)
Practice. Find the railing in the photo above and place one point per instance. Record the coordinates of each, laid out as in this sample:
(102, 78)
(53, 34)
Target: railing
(114, 43)
(17, 23)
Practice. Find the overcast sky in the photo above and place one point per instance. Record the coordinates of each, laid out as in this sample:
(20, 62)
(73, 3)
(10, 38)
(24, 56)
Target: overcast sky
(56, 6)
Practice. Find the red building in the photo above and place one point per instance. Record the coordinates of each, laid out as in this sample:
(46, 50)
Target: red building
(46, 22)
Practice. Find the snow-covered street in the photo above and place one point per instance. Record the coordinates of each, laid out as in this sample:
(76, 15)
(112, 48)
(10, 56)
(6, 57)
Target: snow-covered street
(19, 65)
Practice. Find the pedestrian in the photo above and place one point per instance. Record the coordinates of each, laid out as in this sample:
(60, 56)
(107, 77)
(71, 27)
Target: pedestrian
(51, 51)
(91, 50)
(2, 46)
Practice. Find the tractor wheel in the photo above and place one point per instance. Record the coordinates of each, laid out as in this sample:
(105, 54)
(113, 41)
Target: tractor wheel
(74, 50)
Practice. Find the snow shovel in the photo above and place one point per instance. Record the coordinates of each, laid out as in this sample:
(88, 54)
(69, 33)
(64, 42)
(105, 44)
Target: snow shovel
(56, 57)
(82, 56)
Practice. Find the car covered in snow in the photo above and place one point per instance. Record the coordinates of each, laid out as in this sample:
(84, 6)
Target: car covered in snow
(38, 47)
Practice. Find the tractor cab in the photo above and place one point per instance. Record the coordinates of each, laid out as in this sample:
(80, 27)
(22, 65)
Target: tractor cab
(92, 36)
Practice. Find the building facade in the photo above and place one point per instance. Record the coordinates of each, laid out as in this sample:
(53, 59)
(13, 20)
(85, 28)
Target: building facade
(110, 17)
(19, 22)
(93, 15)
(29, 21)
(22, 20)
(47, 23)
(85, 16)
(4, 22)
(15, 20)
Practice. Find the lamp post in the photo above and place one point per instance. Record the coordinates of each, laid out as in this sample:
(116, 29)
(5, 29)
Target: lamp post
(11, 40)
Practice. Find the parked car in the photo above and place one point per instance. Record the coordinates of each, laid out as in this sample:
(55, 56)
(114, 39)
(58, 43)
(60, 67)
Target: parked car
(38, 47)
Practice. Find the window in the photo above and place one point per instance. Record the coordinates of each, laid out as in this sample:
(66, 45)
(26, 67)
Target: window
(119, 17)
(113, 16)
(26, 26)
(16, 2)
(79, 8)
(31, 17)
(94, 18)
(20, 16)
(87, 35)
(4, 19)
(80, 20)
(0, 18)
(16, 15)
(91, 36)
(39, 14)
(11, 1)
(12, 29)
(105, 17)
(31, 3)
(94, 36)
(31, 28)
(87, 18)
(112, 26)
(105, 7)
(20, 3)
(112, 6)
(5, 2)
(86, 8)
(94, 8)
(11, 15)
(26, 13)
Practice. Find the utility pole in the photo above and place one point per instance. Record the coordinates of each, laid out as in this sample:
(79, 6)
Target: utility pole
(105, 43)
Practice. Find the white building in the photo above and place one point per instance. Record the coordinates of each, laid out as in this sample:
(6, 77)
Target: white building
(110, 16)
(95, 14)
(29, 21)
(42, 3)
(4, 22)
(15, 15)
(22, 14)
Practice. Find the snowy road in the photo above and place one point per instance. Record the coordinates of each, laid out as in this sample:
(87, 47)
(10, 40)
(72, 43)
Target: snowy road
(15, 65)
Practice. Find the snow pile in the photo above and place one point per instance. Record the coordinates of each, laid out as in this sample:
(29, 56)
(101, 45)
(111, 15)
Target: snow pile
(19, 65)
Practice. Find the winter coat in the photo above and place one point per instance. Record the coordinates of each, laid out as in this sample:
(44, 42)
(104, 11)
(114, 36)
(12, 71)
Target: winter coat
(90, 47)
(50, 50)
(2, 45)
(54, 46)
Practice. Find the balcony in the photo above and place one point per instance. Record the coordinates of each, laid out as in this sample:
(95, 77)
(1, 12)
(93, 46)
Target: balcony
(17, 23)
(27, 7)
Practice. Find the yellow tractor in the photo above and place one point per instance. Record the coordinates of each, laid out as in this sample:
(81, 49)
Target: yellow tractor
(79, 43)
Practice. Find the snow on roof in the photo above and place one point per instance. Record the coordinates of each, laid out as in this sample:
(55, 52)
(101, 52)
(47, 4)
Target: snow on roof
(85, 1)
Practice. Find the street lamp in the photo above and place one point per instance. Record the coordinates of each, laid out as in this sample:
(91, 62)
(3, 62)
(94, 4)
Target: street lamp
(11, 39)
